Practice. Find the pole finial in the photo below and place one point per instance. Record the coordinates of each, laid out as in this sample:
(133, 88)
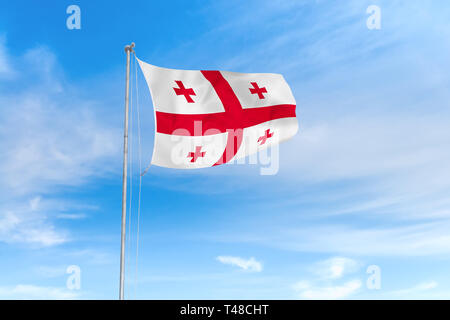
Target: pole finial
(129, 47)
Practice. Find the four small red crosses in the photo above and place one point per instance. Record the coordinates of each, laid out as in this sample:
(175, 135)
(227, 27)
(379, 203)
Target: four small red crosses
(188, 92)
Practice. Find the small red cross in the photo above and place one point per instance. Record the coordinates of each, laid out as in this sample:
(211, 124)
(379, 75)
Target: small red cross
(182, 91)
(264, 138)
(259, 91)
(195, 155)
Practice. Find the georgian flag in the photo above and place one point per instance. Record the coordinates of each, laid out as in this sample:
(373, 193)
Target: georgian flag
(207, 118)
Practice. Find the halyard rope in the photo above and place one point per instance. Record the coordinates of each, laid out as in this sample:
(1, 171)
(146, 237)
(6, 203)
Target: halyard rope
(140, 176)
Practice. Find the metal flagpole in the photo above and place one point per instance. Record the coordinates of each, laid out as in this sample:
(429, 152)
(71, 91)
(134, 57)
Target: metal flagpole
(128, 50)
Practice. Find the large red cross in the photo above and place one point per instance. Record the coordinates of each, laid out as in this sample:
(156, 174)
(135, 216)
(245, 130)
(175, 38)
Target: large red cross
(256, 89)
(195, 155)
(267, 135)
(182, 91)
(233, 120)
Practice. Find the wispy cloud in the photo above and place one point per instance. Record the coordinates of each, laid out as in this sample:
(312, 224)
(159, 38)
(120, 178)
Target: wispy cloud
(27, 225)
(48, 149)
(418, 239)
(418, 289)
(335, 268)
(71, 216)
(250, 265)
(26, 291)
(325, 274)
(424, 290)
(413, 240)
(305, 290)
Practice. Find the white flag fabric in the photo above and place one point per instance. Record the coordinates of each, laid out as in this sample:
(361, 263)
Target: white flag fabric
(207, 118)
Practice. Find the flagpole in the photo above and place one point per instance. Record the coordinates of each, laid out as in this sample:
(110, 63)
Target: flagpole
(128, 50)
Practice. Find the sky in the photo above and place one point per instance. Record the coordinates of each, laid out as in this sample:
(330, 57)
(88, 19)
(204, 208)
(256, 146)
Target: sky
(359, 208)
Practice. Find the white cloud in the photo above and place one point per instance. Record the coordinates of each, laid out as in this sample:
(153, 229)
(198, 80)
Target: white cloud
(410, 293)
(307, 291)
(326, 273)
(422, 239)
(426, 285)
(364, 146)
(52, 146)
(335, 268)
(8, 221)
(410, 240)
(71, 216)
(26, 227)
(25, 291)
(246, 264)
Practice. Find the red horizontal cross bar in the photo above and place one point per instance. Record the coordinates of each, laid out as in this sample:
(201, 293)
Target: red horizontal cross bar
(213, 123)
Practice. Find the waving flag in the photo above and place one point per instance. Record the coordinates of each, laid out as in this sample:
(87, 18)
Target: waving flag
(207, 118)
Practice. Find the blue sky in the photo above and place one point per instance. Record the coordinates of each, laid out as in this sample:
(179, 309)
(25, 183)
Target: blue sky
(365, 181)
